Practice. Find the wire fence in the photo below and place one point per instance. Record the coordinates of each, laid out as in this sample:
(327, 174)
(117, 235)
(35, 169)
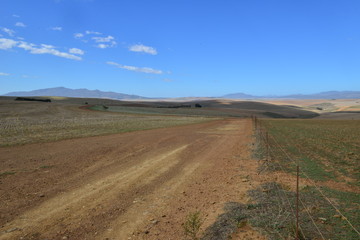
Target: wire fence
(314, 208)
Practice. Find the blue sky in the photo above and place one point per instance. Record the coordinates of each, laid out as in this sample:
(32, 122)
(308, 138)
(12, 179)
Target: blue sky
(177, 48)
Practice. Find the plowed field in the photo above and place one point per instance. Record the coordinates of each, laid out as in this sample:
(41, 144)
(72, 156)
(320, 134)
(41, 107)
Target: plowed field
(137, 185)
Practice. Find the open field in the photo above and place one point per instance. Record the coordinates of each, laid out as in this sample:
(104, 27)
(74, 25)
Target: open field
(328, 154)
(140, 185)
(31, 122)
(68, 172)
(323, 106)
(212, 108)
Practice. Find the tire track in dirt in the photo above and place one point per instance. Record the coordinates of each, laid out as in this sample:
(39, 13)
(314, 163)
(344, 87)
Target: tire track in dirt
(136, 185)
(71, 205)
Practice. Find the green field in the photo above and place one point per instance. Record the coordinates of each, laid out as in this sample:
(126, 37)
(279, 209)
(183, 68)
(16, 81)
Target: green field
(328, 153)
(325, 149)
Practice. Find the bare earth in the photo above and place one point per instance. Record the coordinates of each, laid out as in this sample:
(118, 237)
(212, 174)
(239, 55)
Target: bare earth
(138, 185)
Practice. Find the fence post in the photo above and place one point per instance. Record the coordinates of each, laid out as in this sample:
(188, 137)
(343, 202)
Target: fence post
(267, 147)
(297, 203)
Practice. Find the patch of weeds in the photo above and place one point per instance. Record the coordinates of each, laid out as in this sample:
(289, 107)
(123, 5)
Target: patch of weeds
(228, 222)
(272, 213)
(46, 166)
(192, 225)
(3, 174)
(268, 215)
(251, 206)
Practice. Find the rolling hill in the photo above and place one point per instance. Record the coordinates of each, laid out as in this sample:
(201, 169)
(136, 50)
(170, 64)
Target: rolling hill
(322, 95)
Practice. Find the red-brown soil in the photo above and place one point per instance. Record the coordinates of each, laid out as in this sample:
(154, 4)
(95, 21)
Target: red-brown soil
(138, 185)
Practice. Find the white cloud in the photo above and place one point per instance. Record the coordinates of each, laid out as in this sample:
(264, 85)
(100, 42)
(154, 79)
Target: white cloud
(109, 40)
(47, 46)
(46, 49)
(16, 16)
(20, 24)
(136, 69)
(93, 32)
(76, 51)
(143, 48)
(101, 42)
(4, 74)
(101, 45)
(56, 28)
(6, 43)
(26, 46)
(8, 31)
(78, 35)
(103, 39)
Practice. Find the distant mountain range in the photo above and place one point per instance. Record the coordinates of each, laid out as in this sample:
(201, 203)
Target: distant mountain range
(322, 95)
(80, 93)
(85, 93)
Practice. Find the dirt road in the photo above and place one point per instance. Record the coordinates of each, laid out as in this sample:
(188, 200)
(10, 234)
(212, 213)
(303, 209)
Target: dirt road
(138, 185)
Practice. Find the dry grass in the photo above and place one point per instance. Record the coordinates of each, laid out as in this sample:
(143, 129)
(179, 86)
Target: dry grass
(23, 123)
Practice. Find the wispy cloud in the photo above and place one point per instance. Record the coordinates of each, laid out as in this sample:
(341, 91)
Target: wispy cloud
(143, 48)
(103, 39)
(76, 51)
(104, 42)
(102, 45)
(4, 74)
(56, 28)
(100, 41)
(78, 35)
(15, 16)
(93, 32)
(20, 24)
(136, 69)
(10, 32)
(46, 49)
(6, 43)
(27, 76)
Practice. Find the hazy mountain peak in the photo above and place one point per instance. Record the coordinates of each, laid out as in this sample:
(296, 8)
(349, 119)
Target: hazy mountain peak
(67, 92)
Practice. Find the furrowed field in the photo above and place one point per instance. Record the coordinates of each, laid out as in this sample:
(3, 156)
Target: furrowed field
(328, 154)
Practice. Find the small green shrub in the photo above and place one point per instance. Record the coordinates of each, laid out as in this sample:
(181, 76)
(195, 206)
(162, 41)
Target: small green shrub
(6, 173)
(192, 225)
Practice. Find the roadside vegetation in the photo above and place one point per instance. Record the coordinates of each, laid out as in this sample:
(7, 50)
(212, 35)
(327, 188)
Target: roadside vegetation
(192, 225)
